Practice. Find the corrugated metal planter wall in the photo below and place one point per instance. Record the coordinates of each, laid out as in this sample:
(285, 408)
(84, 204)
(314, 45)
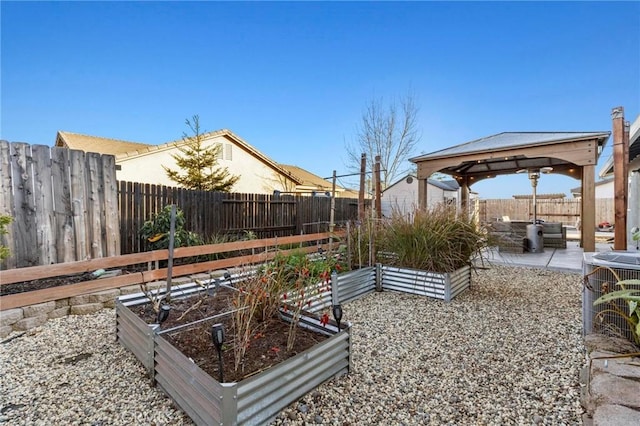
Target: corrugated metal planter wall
(352, 285)
(444, 286)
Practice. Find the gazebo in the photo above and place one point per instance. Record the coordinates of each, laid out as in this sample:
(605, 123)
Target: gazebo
(573, 154)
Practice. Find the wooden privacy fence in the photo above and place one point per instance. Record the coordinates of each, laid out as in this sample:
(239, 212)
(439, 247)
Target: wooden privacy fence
(67, 206)
(566, 211)
(214, 213)
(63, 204)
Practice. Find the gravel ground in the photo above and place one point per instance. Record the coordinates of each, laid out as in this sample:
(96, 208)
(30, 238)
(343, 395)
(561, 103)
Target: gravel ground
(508, 351)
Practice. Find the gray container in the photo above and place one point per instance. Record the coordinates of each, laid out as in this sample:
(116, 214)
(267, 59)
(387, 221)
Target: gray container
(535, 241)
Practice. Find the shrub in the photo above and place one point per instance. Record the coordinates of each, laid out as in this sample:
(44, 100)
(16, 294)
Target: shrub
(290, 281)
(155, 231)
(4, 221)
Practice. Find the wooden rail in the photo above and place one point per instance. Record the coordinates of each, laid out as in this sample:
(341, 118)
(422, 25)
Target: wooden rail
(70, 290)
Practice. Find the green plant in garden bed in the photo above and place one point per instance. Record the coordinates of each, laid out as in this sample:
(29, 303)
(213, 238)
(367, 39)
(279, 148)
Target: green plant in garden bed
(628, 294)
(289, 281)
(438, 239)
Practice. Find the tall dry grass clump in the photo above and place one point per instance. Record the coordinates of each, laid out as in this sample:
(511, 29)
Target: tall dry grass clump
(439, 240)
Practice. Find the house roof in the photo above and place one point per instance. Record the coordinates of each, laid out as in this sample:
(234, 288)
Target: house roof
(307, 178)
(578, 189)
(102, 145)
(314, 182)
(446, 185)
(634, 148)
(125, 149)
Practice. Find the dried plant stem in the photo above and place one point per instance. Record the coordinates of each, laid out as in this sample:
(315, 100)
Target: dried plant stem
(191, 308)
(153, 298)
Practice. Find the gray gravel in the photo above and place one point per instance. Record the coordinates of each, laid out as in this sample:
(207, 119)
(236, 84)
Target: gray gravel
(508, 351)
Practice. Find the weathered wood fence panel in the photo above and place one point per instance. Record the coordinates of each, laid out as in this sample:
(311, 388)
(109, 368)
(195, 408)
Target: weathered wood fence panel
(566, 211)
(65, 239)
(236, 215)
(57, 199)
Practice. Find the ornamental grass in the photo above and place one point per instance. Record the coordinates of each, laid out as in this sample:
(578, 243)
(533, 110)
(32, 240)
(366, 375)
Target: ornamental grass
(439, 240)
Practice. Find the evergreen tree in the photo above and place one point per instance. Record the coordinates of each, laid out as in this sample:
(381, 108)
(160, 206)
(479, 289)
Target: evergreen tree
(199, 163)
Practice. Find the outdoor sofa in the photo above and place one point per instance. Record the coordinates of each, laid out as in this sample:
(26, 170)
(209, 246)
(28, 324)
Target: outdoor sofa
(511, 236)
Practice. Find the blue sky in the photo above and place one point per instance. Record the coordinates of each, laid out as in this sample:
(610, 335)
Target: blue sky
(293, 79)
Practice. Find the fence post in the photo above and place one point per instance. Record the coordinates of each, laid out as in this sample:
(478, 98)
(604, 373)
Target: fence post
(378, 276)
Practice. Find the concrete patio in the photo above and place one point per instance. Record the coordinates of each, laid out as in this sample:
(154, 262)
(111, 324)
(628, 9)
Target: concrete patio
(565, 260)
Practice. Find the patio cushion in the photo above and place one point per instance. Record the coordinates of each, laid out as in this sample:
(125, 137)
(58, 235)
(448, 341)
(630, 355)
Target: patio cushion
(552, 228)
(545, 235)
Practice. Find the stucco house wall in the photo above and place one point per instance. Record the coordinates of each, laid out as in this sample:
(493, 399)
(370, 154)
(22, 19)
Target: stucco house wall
(604, 189)
(402, 196)
(256, 177)
(139, 162)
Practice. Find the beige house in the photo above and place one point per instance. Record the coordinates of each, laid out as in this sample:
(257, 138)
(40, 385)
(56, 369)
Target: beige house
(604, 189)
(139, 162)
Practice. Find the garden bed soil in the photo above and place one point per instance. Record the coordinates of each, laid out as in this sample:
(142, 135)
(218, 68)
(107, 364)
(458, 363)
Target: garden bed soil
(24, 286)
(43, 283)
(268, 344)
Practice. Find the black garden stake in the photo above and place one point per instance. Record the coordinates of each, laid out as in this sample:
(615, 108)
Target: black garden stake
(163, 313)
(337, 314)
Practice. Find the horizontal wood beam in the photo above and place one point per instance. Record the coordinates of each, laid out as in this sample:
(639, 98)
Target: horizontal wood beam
(60, 269)
(70, 290)
(578, 153)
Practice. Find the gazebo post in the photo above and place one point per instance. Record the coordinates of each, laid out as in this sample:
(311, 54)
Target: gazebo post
(620, 177)
(464, 196)
(422, 193)
(588, 230)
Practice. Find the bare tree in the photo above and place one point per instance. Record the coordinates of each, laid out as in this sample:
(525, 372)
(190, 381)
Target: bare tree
(390, 131)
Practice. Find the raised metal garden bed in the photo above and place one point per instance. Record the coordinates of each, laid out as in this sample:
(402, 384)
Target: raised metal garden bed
(255, 400)
(259, 399)
(444, 286)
